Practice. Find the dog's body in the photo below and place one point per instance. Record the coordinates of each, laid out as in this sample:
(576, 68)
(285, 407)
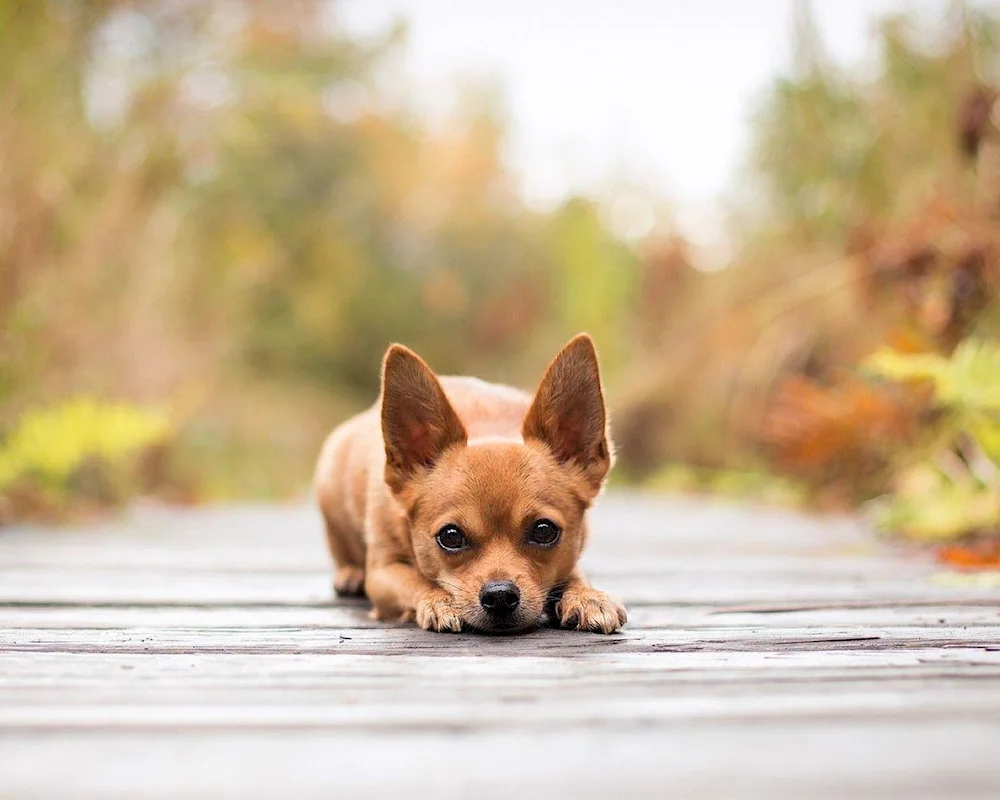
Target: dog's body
(454, 501)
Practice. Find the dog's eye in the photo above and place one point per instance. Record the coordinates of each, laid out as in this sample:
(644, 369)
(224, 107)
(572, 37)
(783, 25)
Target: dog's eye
(451, 539)
(544, 532)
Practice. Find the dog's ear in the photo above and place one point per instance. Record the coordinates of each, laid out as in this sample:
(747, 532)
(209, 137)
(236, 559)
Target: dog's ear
(568, 413)
(418, 422)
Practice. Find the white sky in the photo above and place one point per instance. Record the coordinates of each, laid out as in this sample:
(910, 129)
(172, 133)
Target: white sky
(653, 96)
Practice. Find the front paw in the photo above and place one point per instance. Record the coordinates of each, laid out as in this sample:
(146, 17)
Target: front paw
(436, 612)
(584, 608)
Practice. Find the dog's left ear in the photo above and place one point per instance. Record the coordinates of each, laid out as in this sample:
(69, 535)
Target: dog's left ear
(568, 413)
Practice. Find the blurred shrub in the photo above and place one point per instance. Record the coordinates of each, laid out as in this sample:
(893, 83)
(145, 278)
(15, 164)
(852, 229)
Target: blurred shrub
(967, 384)
(839, 438)
(859, 223)
(84, 451)
(951, 486)
(753, 486)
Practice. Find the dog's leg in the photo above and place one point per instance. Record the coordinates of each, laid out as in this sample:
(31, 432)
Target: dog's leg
(585, 608)
(400, 592)
(348, 559)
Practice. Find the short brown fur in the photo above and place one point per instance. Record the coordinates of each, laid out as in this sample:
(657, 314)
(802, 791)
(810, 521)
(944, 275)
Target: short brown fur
(488, 459)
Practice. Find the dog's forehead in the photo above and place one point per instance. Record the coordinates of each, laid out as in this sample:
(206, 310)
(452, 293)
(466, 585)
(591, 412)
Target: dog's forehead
(500, 481)
(501, 477)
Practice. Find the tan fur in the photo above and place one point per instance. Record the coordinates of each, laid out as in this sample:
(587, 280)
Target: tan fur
(489, 459)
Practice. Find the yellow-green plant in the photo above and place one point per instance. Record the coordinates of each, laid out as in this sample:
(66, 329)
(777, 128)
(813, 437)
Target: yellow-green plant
(954, 487)
(968, 382)
(734, 484)
(49, 446)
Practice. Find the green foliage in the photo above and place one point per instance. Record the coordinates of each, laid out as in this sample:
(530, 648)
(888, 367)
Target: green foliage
(930, 501)
(755, 486)
(833, 150)
(593, 278)
(816, 153)
(335, 231)
(930, 505)
(839, 160)
(49, 449)
(967, 382)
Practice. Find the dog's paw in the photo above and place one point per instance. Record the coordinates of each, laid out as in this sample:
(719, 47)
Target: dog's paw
(349, 581)
(436, 612)
(587, 609)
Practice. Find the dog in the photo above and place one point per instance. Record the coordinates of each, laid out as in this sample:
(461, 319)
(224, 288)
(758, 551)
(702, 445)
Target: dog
(456, 503)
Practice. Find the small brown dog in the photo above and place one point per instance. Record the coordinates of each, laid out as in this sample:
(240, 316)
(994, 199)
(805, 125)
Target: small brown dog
(457, 502)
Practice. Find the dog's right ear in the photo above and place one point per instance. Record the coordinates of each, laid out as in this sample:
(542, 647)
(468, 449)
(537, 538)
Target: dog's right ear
(418, 422)
(568, 415)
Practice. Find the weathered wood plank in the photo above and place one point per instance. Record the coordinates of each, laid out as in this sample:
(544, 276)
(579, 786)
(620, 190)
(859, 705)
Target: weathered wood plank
(462, 712)
(395, 641)
(32, 668)
(790, 758)
(354, 614)
(136, 586)
(446, 705)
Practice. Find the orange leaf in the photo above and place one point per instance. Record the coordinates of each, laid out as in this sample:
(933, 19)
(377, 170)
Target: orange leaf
(981, 555)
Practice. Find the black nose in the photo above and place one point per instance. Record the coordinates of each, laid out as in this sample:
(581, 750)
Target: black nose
(499, 598)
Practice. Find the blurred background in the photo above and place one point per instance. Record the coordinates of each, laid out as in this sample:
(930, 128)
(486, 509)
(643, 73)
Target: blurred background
(779, 219)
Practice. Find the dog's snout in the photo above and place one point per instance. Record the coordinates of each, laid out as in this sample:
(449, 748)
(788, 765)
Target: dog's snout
(499, 598)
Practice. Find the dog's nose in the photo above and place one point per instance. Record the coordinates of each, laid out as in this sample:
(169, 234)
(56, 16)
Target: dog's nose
(499, 598)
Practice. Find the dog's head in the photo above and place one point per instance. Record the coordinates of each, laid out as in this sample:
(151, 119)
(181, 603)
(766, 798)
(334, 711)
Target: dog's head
(498, 523)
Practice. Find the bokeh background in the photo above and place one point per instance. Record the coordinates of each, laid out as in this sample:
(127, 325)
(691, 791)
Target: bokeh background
(779, 220)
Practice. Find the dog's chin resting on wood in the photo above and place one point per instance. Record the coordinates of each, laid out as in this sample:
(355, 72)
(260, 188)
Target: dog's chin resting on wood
(457, 503)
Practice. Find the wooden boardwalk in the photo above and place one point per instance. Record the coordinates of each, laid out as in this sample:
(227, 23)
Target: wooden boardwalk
(199, 654)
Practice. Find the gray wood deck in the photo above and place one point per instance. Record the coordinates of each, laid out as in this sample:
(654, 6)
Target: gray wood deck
(199, 654)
